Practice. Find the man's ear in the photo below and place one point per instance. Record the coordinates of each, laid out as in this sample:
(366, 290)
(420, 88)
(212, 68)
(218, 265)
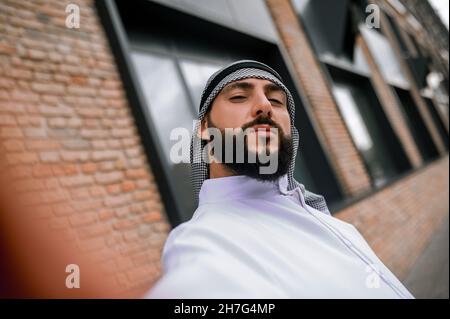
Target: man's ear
(203, 129)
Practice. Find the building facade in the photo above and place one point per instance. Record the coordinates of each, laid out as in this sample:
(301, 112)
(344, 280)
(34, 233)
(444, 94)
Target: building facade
(86, 114)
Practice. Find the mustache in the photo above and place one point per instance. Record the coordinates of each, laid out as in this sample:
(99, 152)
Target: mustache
(260, 121)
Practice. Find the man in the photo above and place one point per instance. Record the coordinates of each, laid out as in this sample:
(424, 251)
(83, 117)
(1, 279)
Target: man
(257, 234)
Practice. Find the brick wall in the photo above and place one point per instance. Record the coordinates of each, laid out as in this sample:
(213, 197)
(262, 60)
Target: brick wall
(399, 220)
(70, 142)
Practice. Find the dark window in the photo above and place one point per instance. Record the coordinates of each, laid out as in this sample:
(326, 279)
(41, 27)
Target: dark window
(385, 57)
(332, 27)
(417, 62)
(368, 126)
(437, 121)
(329, 24)
(417, 126)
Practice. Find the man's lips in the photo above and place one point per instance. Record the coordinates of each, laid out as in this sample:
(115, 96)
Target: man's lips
(262, 128)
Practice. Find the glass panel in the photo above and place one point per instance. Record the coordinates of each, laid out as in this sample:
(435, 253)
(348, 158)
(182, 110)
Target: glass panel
(169, 108)
(329, 25)
(417, 126)
(196, 74)
(357, 113)
(303, 174)
(166, 99)
(385, 57)
(438, 121)
(353, 118)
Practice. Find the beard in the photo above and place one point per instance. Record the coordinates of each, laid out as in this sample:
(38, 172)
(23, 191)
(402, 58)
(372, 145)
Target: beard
(252, 168)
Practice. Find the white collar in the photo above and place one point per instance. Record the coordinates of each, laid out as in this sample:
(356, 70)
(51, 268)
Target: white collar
(242, 187)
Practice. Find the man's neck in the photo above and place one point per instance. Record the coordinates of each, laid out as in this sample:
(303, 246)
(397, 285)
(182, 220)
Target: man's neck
(217, 170)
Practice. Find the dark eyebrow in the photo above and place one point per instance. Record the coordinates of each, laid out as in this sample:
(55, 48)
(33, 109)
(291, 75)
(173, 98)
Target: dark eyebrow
(271, 87)
(238, 85)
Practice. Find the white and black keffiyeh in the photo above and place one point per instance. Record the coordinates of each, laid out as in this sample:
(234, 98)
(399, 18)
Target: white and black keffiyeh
(240, 70)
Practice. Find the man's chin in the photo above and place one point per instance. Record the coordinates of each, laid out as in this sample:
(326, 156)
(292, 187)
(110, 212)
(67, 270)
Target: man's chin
(263, 152)
(256, 171)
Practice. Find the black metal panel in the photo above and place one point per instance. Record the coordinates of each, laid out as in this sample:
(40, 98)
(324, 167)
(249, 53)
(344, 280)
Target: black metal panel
(418, 64)
(438, 122)
(417, 126)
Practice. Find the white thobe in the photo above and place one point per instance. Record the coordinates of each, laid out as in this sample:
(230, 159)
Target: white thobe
(254, 239)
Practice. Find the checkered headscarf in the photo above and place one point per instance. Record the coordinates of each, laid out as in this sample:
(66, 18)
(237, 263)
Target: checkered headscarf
(238, 71)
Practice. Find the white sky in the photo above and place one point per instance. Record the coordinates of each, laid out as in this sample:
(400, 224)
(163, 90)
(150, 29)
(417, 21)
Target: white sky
(442, 8)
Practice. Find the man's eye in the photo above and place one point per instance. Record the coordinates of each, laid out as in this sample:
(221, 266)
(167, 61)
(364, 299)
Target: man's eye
(275, 101)
(237, 98)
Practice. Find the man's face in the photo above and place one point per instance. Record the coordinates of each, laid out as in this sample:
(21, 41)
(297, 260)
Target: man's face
(258, 107)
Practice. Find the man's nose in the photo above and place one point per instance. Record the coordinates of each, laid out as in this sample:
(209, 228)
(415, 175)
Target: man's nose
(262, 106)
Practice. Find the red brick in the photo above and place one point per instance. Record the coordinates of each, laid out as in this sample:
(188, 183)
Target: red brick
(92, 244)
(22, 158)
(49, 157)
(58, 223)
(122, 132)
(79, 193)
(35, 132)
(142, 195)
(28, 120)
(89, 112)
(113, 189)
(14, 145)
(81, 219)
(136, 173)
(122, 211)
(57, 122)
(104, 155)
(75, 156)
(128, 186)
(63, 209)
(108, 178)
(131, 236)
(41, 144)
(54, 196)
(97, 191)
(6, 119)
(89, 168)
(151, 217)
(42, 170)
(125, 224)
(133, 152)
(10, 132)
(106, 214)
(77, 180)
(48, 88)
(117, 200)
(96, 230)
(22, 74)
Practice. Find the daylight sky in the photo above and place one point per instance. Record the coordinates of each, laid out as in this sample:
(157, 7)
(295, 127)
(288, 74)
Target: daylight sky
(441, 7)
